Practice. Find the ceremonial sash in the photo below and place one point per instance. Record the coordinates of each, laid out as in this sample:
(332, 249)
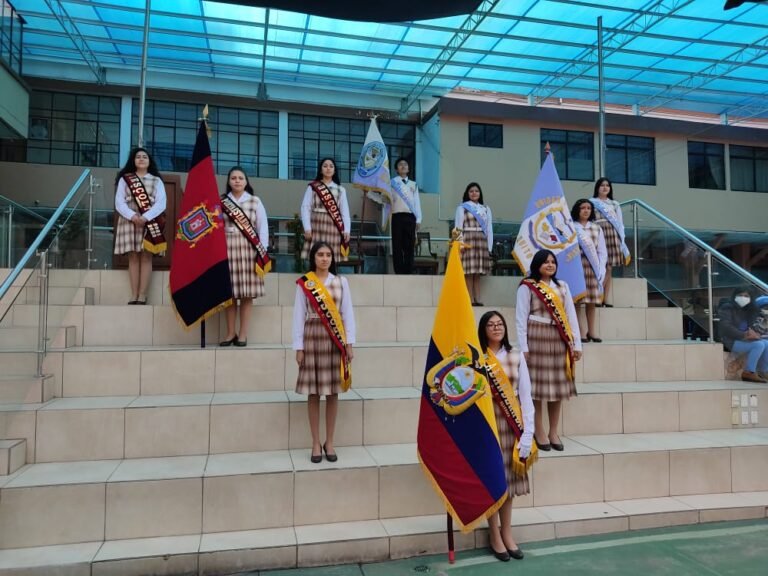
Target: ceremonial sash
(505, 397)
(482, 219)
(589, 250)
(263, 263)
(606, 211)
(332, 207)
(324, 306)
(397, 186)
(154, 240)
(554, 305)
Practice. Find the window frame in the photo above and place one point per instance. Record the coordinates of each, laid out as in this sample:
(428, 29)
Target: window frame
(485, 126)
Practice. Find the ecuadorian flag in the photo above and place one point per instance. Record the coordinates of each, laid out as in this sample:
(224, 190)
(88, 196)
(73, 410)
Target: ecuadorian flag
(457, 441)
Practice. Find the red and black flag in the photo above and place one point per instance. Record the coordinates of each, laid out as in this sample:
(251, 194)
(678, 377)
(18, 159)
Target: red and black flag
(200, 281)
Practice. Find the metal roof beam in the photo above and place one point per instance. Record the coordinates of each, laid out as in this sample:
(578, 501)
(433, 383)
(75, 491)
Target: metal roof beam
(412, 44)
(696, 82)
(638, 25)
(62, 16)
(457, 40)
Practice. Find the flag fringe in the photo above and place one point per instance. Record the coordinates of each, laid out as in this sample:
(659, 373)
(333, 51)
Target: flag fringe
(465, 528)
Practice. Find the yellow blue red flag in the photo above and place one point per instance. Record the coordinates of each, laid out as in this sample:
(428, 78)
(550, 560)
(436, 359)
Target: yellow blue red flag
(457, 440)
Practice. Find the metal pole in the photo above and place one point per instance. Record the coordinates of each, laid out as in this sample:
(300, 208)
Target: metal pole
(42, 321)
(635, 242)
(710, 302)
(601, 99)
(143, 86)
(10, 236)
(89, 248)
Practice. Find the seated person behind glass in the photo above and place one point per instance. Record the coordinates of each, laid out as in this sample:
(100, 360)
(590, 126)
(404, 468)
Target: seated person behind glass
(760, 323)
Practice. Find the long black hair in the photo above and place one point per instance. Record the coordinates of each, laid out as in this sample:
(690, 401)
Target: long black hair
(576, 210)
(538, 259)
(248, 187)
(465, 198)
(484, 319)
(313, 252)
(130, 164)
(319, 175)
(599, 183)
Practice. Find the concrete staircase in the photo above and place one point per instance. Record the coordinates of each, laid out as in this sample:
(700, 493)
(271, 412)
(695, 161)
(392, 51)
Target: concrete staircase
(155, 456)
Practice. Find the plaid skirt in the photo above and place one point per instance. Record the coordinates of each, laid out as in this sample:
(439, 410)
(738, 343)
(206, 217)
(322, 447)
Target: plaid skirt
(612, 243)
(475, 259)
(546, 363)
(128, 238)
(241, 253)
(323, 230)
(517, 485)
(321, 372)
(594, 294)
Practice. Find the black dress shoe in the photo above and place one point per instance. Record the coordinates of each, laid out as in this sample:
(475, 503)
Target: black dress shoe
(133, 302)
(503, 556)
(240, 343)
(557, 446)
(592, 338)
(330, 457)
(607, 305)
(517, 554)
(544, 447)
(229, 342)
(316, 458)
(585, 340)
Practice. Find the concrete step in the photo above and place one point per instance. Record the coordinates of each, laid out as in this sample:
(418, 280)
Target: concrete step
(208, 554)
(13, 455)
(26, 389)
(111, 288)
(142, 370)
(111, 427)
(17, 363)
(61, 295)
(64, 503)
(25, 338)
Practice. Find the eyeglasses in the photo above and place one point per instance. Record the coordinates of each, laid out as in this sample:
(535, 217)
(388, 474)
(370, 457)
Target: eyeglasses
(493, 325)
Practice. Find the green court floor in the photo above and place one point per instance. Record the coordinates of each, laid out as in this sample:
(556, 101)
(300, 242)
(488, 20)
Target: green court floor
(718, 549)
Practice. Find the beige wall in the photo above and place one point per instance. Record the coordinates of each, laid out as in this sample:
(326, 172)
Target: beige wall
(507, 176)
(14, 104)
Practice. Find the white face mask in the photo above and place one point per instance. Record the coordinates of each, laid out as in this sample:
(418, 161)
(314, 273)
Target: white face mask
(741, 301)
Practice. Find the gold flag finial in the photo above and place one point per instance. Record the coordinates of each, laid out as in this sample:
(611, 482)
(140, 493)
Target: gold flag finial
(204, 118)
(547, 147)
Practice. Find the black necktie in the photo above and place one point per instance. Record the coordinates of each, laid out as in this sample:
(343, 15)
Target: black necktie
(405, 181)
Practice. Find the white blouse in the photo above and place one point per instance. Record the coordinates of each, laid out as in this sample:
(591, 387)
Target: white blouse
(523, 310)
(306, 206)
(154, 211)
(261, 225)
(300, 313)
(523, 393)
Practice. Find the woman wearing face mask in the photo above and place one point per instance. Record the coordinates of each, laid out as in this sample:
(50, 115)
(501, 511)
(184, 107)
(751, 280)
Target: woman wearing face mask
(737, 315)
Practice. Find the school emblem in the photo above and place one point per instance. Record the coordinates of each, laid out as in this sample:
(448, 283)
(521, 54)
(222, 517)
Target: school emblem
(552, 228)
(458, 381)
(198, 223)
(371, 159)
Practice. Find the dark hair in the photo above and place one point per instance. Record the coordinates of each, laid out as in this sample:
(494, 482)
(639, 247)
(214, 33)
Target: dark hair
(465, 198)
(401, 159)
(248, 187)
(130, 164)
(597, 187)
(484, 319)
(538, 259)
(575, 211)
(313, 252)
(319, 175)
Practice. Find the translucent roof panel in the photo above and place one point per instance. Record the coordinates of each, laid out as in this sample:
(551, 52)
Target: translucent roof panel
(687, 54)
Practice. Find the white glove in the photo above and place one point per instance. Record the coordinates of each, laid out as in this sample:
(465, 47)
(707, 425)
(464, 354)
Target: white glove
(524, 450)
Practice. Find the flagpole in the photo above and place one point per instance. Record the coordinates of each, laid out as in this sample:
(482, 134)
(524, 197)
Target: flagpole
(208, 130)
(449, 528)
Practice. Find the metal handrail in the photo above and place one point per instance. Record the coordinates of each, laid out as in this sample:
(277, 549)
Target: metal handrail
(699, 243)
(43, 233)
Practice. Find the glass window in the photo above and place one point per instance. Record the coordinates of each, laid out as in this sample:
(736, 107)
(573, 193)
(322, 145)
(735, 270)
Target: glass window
(238, 136)
(11, 25)
(749, 168)
(574, 153)
(73, 129)
(486, 135)
(313, 137)
(706, 165)
(630, 159)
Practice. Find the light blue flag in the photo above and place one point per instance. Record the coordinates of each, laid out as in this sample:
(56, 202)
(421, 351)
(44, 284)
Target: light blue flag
(548, 225)
(372, 171)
